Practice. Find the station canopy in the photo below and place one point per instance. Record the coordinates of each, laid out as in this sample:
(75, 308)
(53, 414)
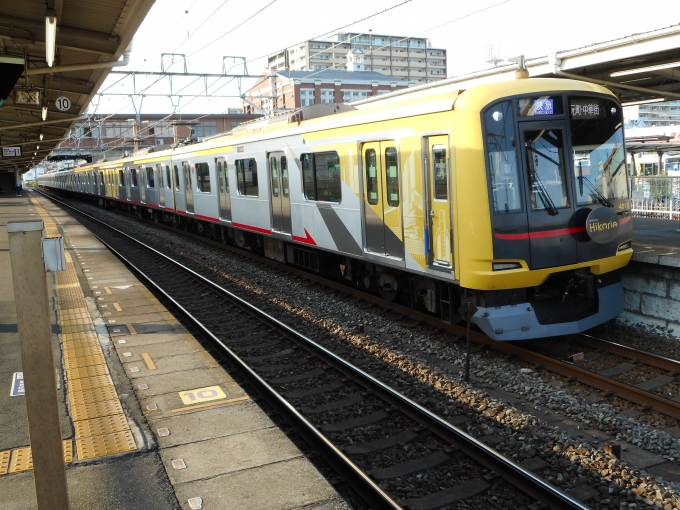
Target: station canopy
(82, 38)
(638, 68)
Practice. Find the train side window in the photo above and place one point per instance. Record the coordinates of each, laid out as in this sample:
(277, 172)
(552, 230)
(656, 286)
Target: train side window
(324, 183)
(308, 176)
(177, 184)
(160, 176)
(275, 176)
(441, 187)
(168, 179)
(203, 177)
(284, 176)
(499, 124)
(133, 177)
(392, 176)
(220, 177)
(371, 177)
(187, 176)
(121, 177)
(246, 175)
(150, 182)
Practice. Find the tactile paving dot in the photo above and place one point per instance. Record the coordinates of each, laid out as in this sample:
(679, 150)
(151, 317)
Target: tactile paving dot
(93, 371)
(93, 395)
(4, 461)
(97, 409)
(109, 444)
(22, 460)
(87, 383)
(84, 361)
(100, 426)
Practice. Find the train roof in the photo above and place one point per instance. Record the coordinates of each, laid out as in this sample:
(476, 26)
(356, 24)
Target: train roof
(424, 99)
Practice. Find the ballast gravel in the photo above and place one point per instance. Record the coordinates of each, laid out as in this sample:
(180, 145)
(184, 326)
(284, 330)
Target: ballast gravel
(426, 366)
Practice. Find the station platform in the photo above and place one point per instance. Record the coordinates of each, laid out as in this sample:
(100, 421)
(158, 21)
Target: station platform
(149, 418)
(656, 241)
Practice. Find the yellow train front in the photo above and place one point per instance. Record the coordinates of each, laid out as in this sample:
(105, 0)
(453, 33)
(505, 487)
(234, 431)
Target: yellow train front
(542, 256)
(513, 196)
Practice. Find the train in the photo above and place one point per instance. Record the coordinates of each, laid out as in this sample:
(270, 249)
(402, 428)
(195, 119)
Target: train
(509, 196)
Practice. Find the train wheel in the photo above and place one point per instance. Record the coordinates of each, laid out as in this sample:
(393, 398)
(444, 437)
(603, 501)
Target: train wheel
(387, 292)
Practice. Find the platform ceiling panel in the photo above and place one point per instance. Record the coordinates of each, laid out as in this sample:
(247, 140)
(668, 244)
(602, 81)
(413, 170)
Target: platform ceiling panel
(88, 32)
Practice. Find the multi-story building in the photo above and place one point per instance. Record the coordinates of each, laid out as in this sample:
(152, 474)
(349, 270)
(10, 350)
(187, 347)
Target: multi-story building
(666, 113)
(295, 89)
(113, 136)
(408, 58)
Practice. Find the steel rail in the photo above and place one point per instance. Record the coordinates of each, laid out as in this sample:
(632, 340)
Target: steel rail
(648, 358)
(509, 470)
(627, 392)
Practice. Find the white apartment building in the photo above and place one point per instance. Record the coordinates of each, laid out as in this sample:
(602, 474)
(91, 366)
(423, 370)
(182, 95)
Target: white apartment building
(411, 59)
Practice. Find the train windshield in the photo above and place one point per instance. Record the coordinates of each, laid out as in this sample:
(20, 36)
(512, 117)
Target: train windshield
(598, 151)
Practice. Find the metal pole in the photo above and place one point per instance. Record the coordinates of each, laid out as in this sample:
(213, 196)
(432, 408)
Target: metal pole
(467, 354)
(33, 318)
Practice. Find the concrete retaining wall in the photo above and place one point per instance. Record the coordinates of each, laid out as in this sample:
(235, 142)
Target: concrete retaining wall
(651, 285)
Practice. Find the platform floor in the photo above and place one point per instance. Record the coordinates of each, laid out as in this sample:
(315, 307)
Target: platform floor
(149, 418)
(656, 241)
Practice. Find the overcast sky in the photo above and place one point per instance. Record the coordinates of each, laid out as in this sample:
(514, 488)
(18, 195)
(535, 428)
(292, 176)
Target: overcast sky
(465, 29)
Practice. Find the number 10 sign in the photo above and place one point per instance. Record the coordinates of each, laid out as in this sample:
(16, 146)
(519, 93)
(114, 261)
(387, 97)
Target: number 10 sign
(63, 103)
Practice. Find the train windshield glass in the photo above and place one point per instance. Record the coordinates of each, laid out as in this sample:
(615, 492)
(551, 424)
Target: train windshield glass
(502, 158)
(598, 151)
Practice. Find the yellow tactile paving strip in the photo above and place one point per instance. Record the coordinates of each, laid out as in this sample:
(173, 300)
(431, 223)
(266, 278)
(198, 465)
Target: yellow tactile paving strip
(101, 427)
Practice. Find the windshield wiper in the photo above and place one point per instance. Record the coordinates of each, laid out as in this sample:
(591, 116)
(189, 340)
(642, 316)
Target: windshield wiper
(538, 185)
(593, 189)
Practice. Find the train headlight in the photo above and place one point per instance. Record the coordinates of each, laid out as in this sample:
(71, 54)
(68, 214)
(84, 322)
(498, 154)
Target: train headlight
(504, 266)
(626, 245)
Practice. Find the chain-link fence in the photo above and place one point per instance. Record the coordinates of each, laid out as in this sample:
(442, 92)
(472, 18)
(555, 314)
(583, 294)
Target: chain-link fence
(655, 197)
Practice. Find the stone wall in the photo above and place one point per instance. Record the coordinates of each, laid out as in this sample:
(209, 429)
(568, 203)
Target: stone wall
(652, 292)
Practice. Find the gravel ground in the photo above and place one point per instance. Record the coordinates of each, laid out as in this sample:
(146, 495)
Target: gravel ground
(426, 366)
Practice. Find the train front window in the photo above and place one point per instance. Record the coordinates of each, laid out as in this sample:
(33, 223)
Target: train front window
(598, 152)
(502, 158)
(547, 173)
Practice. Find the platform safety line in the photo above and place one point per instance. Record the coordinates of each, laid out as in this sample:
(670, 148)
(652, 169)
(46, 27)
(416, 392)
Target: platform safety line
(82, 361)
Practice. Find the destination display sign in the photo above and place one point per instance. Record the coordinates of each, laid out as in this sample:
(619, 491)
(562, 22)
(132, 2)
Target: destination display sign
(586, 109)
(602, 225)
(11, 152)
(539, 106)
(544, 107)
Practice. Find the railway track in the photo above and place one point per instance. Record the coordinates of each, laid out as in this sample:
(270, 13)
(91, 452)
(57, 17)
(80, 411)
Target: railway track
(647, 393)
(392, 451)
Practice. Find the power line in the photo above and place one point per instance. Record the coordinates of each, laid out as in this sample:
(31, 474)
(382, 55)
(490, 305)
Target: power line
(230, 31)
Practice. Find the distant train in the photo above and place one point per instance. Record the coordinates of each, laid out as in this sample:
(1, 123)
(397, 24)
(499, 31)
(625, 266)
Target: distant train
(511, 195)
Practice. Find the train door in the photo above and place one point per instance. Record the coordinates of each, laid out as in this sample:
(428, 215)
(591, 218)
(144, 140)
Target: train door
(280, 192)
(439, 240)
(143, 183)
(382, 210)
(128, 183)
(225, 197)
(188, 190)
(160, 182)
(551, 212)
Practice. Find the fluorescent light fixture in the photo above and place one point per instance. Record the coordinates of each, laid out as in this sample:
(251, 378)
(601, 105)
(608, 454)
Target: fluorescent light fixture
(50, 36)
(644, 101)
(41, 137)
(37, 147)
(44, 113)
(645, 69)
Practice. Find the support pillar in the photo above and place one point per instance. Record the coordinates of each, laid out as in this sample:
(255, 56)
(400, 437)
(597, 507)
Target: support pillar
(33, 318)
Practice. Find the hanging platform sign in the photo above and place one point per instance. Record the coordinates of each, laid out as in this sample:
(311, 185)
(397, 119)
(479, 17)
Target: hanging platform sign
(63, 103)
(11, 152)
